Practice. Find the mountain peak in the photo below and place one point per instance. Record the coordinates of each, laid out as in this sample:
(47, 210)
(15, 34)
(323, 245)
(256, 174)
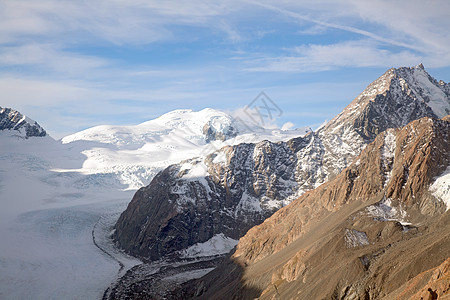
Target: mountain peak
(396, 97)
(197, 127)
(23, 126)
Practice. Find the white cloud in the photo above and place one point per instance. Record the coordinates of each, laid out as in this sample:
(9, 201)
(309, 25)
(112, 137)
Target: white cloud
(18, 92)
(317, 20)
(413, 24)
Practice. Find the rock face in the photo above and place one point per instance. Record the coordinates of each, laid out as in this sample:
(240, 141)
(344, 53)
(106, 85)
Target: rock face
(237, 187)
(371, 233)
(13, 120)
(399, 165)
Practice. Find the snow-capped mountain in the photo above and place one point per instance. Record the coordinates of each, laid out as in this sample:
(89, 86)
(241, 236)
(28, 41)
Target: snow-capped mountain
(106, 158)
(14, 123)
(133, 155)
(237, 187)
(174, 125)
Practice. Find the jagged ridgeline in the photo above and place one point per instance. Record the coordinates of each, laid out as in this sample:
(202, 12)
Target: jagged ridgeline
(238, 187)
(19, 124)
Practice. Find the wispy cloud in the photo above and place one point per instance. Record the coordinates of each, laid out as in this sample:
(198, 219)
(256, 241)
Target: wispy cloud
(401, 33)
(419, 23)
(50, 58)
(338, 26)
(314, 58)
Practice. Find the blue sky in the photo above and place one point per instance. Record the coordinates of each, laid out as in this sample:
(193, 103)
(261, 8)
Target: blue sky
(71, 65)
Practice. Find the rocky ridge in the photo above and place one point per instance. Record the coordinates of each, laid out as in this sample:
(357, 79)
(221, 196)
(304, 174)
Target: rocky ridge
(237, 187)
(21, 125)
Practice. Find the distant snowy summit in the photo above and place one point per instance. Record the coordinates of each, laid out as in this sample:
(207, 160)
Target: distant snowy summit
(133, 155)
(16, 124)
(197, 127)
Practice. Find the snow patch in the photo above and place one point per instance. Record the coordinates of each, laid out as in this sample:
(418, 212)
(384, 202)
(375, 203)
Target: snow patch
(354, 238)
(439, 101)
(441, 187)
(388, 154)
(196, 171)
(389, 145)
(134, 154)
(221, 158)
(218, 244)
(248, 203)
(385, 211)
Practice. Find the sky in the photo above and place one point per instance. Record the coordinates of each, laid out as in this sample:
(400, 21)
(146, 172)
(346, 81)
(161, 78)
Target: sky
(71, 65)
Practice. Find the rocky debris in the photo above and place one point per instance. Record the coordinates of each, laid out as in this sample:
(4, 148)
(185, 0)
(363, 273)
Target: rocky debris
(13, 120)
(157, 281)
(237, 187)
(302, 251)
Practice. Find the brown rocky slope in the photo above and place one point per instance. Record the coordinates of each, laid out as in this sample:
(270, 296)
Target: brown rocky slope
(367, 234)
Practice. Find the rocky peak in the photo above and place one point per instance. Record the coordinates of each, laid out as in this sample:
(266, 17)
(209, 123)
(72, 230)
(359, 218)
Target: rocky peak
(21, 125)
(393, 100)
